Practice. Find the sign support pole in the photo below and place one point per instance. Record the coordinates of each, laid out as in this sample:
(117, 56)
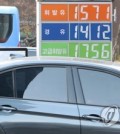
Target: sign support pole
(38, 28)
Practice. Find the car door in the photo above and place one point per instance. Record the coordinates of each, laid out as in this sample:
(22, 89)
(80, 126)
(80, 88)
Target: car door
(44, 103)
(2, 130)
(98, 96)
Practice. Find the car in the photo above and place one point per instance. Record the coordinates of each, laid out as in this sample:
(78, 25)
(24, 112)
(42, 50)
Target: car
(11, 53)
(17, 52)
(49, 95)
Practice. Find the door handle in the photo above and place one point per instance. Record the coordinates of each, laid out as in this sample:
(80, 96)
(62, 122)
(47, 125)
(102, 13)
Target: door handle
(93, 117)
(7, 108)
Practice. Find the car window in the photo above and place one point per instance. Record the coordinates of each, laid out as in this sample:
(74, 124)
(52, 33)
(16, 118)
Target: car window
(42, 83)
(6, 84)
(100, 88)
(24, 77)
(5, 27)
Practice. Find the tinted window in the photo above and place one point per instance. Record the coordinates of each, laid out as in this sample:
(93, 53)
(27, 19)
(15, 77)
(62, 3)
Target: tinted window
(43, 83)
(6, 84)
(24, 77)
(100, 88)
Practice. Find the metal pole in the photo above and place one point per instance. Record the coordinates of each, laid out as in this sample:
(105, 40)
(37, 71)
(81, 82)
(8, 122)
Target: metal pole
(38, 28)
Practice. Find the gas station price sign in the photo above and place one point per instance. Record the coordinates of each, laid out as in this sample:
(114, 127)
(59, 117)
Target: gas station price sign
(82, 29)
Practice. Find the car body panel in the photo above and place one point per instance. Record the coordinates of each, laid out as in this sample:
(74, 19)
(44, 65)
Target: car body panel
(27, 61)
(91, 118)
(39, 117)
(93, 125)
(1, 130)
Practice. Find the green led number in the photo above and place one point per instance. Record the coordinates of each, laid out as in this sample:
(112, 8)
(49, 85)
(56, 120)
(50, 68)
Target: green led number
(105, 52)
(95, 50)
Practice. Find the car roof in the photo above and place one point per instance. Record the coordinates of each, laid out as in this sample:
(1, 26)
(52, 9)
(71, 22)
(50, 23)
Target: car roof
(25, 61)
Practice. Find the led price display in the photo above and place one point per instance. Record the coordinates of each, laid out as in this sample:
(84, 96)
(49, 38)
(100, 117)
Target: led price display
(95, 50)
(88, 31)
(79, 31)
(101, 31)
(85, 28)
(72, 12)
(94, 12)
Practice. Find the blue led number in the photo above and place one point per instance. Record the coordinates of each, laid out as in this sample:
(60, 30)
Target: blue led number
(84, 31)
(79, 31)
(101, 31)
(74, 31)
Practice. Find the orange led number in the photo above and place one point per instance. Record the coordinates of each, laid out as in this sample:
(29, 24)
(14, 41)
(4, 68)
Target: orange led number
(94, 12)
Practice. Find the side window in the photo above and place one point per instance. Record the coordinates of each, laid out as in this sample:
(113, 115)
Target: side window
(42, 83)
(6, 84)
(24, 77)
(100, 88)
